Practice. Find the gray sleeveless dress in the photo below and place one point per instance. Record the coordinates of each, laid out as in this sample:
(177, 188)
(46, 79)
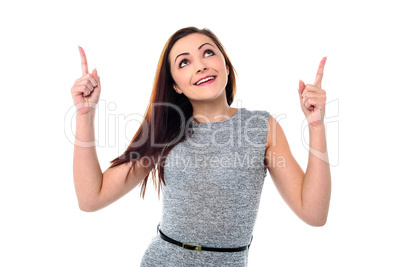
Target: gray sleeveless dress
(213, 186)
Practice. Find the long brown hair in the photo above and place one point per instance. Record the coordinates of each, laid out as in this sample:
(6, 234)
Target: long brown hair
(164, 127)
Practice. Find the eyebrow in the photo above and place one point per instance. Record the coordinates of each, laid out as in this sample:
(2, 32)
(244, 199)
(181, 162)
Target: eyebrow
(184, 54)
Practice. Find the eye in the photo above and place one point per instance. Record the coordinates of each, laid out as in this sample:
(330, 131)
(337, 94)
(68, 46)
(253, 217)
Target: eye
(208, 53)
(183, 63)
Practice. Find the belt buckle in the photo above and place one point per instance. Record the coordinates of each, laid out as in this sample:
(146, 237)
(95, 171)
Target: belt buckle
(191, 247)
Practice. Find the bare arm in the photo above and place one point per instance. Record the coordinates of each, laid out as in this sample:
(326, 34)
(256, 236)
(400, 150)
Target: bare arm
(95, 189)
(307, 194)
(87, 173)
(316, 190)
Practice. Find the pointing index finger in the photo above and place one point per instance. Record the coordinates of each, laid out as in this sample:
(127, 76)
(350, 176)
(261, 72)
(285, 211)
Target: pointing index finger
(84, 64)
(320, 72)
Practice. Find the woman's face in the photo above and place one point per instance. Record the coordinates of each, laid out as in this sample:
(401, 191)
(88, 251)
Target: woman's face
(198, 68)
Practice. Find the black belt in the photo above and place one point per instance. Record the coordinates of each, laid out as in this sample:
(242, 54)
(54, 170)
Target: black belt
(198, 247)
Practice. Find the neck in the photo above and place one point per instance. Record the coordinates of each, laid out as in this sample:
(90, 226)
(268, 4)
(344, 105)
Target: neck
(212, 111)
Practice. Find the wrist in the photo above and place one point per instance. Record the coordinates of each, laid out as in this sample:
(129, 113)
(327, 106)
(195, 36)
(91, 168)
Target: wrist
(86, 117)
(85, 130)
(320, 127)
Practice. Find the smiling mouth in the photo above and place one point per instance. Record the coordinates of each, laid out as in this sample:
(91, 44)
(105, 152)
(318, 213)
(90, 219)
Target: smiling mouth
(207, 79)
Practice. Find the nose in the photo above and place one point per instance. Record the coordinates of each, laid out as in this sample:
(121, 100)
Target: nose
(202, 70)
(201, 67)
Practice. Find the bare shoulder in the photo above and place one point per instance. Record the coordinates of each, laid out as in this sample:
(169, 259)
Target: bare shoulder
(277, 150)
(274, 133)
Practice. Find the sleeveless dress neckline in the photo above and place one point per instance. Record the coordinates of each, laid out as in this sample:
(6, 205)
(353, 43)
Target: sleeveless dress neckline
(218, 123)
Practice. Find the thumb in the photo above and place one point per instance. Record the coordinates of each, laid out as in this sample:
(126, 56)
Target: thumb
(301, 89)
(95, 75)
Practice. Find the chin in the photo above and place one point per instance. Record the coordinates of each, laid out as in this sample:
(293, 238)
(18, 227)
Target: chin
(209, 95)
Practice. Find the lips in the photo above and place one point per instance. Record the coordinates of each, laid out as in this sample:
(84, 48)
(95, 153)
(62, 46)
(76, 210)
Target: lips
(205, 79)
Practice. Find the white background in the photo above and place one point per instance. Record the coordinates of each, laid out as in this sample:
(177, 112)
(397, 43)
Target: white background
(272, 45)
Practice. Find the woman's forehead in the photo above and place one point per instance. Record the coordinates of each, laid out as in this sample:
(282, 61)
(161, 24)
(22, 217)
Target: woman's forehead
(190, 44)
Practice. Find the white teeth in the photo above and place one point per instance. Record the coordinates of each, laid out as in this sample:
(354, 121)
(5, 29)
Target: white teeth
(205, 80)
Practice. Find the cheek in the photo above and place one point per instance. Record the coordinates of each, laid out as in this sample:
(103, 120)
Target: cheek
(221, 65)
(175, 75)
(178, 78)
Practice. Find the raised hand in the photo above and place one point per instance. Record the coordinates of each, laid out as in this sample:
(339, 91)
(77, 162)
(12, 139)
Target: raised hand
(313, 98)
(86, 90)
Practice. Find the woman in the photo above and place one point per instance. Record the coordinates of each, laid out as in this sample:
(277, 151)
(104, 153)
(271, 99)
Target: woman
(208, 158)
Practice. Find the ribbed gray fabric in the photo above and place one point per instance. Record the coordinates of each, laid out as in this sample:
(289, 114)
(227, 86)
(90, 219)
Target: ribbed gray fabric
(213, 187)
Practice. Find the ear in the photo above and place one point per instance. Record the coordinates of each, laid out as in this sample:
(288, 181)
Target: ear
(227, 69)
(177, 89)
